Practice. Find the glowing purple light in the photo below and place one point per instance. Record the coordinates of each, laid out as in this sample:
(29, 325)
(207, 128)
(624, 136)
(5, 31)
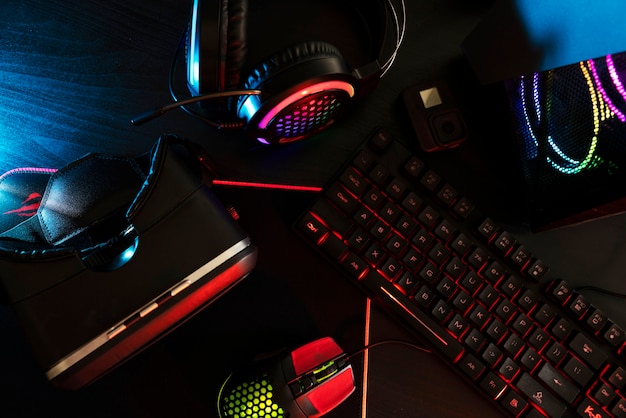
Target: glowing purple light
(37, 170)
(615, 77)
(605, 96)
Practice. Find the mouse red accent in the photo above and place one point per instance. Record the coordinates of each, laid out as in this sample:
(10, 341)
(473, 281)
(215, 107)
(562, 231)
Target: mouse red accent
(330, 394)
(313, 354)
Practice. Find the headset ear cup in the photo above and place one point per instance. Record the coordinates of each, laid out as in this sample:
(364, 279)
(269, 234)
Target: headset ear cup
(233, 46)
(310, 78)
(288, 57)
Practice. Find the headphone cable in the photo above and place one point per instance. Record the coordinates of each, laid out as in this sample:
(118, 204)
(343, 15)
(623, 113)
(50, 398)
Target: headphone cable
(400, 33)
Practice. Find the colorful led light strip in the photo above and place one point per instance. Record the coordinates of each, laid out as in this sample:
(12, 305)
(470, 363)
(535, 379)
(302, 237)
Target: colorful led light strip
(273, 186)
(576, 166)
(605, 96)
(601, 111)
(615, 77)
(37, 170)
(536, 106)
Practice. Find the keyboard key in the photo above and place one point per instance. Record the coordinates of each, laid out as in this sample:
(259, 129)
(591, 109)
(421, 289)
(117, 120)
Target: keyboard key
(561, 292)
(396, 188)
(334, 247)
(430, 180)
(488, 229)
(514, 403)
(364, 160)
(342, 198)
(596, 320)
(458, 325)
(354, 181)
(375, 255)
(520, 257)
(359, 239)
(556, 353)
(412, 203)
(604, 394)
(578, 371)
(562, 329)
(504, 243)
(422, 240)
(312, 228)
(379, 174)
(331, 217)
(447, 195)
(493, 385)
(614, 335)
(471, 366)
(380, 141)
(461, 244)
(374, 199)
(413, 167)
(618, 378)
(354, 265)
(492, 355)
(428, 217)
(619, 410)
(530, 359)
(475, 340)
(540, 396)
(528, 300)
(578, 306)
(558, 383)
(588, 351)
(509, 369)
(537, 270)
(590, 409)
(425, 297)
(463, 208)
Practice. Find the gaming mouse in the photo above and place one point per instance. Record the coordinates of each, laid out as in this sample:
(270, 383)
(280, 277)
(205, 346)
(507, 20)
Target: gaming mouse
(306, 382)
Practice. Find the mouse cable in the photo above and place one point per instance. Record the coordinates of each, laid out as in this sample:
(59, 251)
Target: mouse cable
(600, 290)
(184, 104)
(383, 342)
(236, 124)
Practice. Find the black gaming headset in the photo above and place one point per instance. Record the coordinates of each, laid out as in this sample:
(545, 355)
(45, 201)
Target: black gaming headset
(291, 93)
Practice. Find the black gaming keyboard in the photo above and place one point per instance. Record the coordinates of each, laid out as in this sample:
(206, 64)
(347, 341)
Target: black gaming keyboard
(411, 241)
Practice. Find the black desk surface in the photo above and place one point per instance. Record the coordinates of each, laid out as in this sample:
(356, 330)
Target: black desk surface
(73, 73)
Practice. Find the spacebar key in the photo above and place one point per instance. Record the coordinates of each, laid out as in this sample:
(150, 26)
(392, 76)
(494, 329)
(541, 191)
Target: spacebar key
(428, 328)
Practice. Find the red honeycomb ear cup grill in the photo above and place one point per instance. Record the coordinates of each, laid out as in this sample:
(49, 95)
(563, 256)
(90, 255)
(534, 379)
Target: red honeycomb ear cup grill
(290, 71)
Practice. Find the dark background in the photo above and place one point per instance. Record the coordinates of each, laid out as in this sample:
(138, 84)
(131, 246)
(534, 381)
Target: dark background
(73, 74)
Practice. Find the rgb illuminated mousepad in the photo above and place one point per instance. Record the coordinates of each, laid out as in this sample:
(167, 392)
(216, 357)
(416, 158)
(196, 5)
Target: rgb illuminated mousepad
(571, 126)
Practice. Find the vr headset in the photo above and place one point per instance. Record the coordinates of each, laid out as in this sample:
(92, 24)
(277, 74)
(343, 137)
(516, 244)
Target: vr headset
(102, 257)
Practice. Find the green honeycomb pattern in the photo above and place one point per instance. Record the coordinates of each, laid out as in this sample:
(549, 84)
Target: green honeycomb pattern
(251, 400)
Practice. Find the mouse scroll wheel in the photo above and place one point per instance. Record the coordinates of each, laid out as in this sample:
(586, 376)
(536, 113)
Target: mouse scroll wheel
(313, 378)
(325, 372)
